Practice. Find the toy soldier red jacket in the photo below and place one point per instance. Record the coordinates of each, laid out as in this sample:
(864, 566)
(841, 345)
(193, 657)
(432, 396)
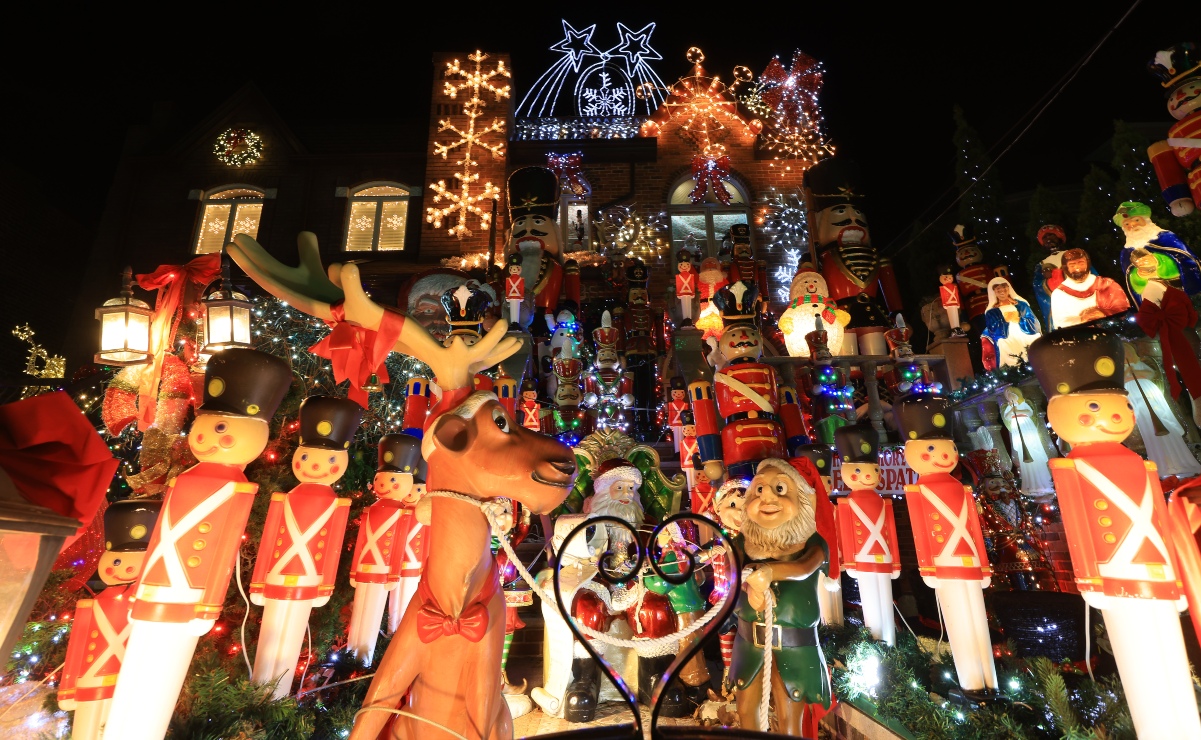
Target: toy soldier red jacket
(844, 284)
(302, 541)
(98, 637)
(194, 548)
(550, 284)
(977, 295)
(1116, 522)
(686, 284)
(1176, 166)
(946, 529)
(867, 530)
(674, 409)
(949, 296)
(531, 415)
(414, 547)
(376, 553)
(514, 288)
(747, 402)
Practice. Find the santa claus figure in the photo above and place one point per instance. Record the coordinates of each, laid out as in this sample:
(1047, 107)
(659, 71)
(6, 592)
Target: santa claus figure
(1084, 296)
(686, 278)
(1177, 161)
(1164, 257)
(514, 289)
(950, 545)
(389, 554)
(867, 530)
(677, 405)
(101, 627)
(534, 235)
(302, 538)
(713, 277)
(1117, 527)
(194, 547)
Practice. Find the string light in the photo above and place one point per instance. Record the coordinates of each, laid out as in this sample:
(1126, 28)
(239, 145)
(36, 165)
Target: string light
(238, 147)
(786, 100)
(587, 127)
(626, 233)
(702, 103)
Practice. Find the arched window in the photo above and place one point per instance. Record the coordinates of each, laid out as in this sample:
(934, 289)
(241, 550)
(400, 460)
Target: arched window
(376, 217)
(707, 224)
(225, 211)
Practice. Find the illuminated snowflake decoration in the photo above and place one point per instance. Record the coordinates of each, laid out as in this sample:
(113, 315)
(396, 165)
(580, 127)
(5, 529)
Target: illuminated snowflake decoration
(245, 225)
(362, 223)
(238, 147)
(463, 203)
(605, 100)
(394, 221)
(786, 224)
(786, 101)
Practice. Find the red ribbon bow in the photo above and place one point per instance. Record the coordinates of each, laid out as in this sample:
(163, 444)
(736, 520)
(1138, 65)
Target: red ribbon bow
(567, 167)
(433, 623)
(1168, 320)
(710, 172)
(356, 352)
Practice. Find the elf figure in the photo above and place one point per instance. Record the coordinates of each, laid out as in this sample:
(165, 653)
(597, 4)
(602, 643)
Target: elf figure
(948, 295)
(531, 410)
(1117, 526)
(98, 636)
(1177, 161)
(194, 547)
(867, 530)
(379, 557)
(302, 539)
(675, 407)
(950, 545)
(514, 289)
(829, 593)
(688, 451)
(685, 286)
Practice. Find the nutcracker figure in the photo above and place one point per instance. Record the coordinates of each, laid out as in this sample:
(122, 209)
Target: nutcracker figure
(1117, 526)
(1177, 161)
(973, 275)
(1170, 259)
(746, 394)
(534, 235)
(644, 343)
(685, 285)
(950, 545)
(531, 410)
(194, 547)
(302, 539)
(417, 406)
(676, 406)
(379, 558)
(688, 451)
(514, 289)
(867, 530)
(98, 637)
(568, 368)
(948, 295)
(821, 457)
(744, 266)
(857, 276)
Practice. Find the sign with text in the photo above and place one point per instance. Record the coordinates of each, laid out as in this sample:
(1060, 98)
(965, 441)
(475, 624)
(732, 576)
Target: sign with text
(894, 473)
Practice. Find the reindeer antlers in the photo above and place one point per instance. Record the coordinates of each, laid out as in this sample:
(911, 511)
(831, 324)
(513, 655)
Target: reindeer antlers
(306, 287)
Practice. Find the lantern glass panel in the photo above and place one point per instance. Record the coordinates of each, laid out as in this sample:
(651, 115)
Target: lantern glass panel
(124, 332)
(218, 327)
(241, 325)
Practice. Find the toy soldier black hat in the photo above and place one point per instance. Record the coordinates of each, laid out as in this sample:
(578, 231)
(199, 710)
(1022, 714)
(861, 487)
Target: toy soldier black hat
(514, 260)
(528, 385)
(945, 270)
(1175, 64)
(740, 233)
(822, 456)
(399, 453)
(637, 274)
(962, 235)
(533, 191)
(1078, 358)
(685, 255)
(687, 418)
(245, 382)
(328, 422)
(857, 443)
(923, 416)
(833, 182)
(128, 524)
(465, 307)
(677, 383)
(737, 302)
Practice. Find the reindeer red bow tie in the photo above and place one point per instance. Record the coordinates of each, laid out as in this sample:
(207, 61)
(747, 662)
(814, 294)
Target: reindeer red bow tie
(433, 623)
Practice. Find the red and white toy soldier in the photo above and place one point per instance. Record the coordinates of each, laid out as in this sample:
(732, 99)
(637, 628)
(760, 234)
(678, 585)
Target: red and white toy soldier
(948, 295)
(867, 530)
(688, 449)
(531, 410)
(297, 564)
(1117, 527)
(685, 285)
(381, 553)
(1177, 161)
(973, 275)
(675, 407)
(950, 546)
(194, 547)
(829, 592)
(101, 627)
(514, 289)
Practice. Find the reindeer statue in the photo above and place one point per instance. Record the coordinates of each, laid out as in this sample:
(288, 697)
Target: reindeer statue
(442, 669)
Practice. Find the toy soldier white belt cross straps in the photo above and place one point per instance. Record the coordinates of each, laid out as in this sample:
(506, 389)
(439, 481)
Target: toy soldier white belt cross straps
(410, 555)
(875, 533)
(751, 394)
(1142, 529)
(372, 538)
(114, 648)
(959, 532)
(178, 592)
(299, 546)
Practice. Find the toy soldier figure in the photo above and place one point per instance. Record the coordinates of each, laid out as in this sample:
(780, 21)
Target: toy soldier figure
(379, 559)
(101, 627)
(644, 337)
(829, 593)
(676, 406)
(531, 410)
(973, 275)
(744, 266)
(950, 546)
(948, 296)
(194, 547)
(1117, 526)
(514, 289)
(868, 530)
(307, 525)
(533, 208)
(688, 450)
(685, 285)
(1177, 161)
(417, 406)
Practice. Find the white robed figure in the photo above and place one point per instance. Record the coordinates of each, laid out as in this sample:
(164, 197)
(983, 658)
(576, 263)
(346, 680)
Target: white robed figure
(1025, 435)
(1010, 326)
(1169, 452)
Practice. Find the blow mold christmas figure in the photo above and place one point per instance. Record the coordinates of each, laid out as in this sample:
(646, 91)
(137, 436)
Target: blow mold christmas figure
(1174, 263)
(686, 278)
(465, 308)
(1177, 161)
(973, 275)
(1084, 296)
(713, 277)
(948, 296)
(861, 282)
(194, 547)
(1117, 527)
(688, 453)
(534, 234)
(1026, 440)
(821, 458)
(950, 545)
(98, 636)
(1009, 326)
(809, 299)
(514, 289)
(868, 530)
(1167, 314)
(568, 368)
(675, 407)
(390, 551)
(744, 266)
(302, 539)
(531, 410)
(1168, 451)
(1049, 272)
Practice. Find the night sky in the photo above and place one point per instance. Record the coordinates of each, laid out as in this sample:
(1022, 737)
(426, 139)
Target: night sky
(892, 78)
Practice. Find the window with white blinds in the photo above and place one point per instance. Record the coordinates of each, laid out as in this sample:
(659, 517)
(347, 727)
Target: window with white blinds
(225, 212)
(377, 215)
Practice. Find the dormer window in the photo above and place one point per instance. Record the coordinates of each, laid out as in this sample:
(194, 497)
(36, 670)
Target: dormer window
(377, 216)
(225, 211)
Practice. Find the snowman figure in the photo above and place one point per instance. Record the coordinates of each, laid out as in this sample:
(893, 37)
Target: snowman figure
(809, 299)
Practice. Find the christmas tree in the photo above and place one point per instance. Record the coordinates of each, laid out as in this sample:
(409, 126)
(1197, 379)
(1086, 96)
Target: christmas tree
(1046, 207)
(982, 203)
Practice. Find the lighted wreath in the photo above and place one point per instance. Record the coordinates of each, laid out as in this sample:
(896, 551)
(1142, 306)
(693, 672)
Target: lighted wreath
(238, 147)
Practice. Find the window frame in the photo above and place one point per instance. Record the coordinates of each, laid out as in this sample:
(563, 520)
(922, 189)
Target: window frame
(207, 198)
(712, 248)
(379, 200)
(567, 200)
